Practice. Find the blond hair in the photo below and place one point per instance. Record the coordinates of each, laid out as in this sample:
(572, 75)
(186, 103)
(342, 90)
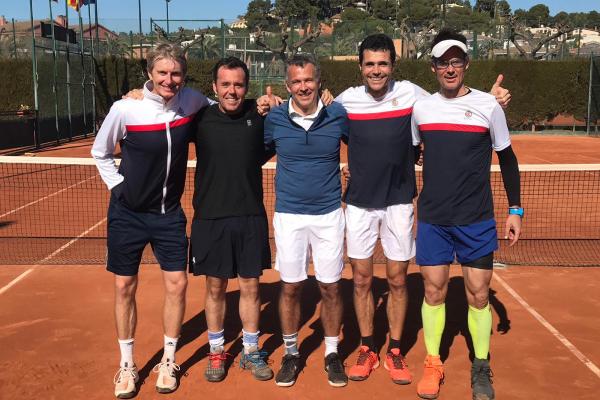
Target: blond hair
(166, 51)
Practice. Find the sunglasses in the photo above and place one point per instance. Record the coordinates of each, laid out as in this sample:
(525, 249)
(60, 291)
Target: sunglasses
(455, 62)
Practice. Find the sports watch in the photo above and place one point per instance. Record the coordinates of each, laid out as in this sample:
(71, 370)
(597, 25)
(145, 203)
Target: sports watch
(516, 211)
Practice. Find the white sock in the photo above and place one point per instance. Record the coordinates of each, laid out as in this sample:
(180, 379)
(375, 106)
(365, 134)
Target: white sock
(216, 340)
(170, 347)
(250, 340)
(331, 344)
(126, 347)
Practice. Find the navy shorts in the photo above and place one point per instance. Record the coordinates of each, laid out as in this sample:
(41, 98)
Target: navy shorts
(230, 247)
(129, 232)
(441, 244)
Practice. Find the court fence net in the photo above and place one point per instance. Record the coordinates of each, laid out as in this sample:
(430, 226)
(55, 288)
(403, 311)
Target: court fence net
(53, 211)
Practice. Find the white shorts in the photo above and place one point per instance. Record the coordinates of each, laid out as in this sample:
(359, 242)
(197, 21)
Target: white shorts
(394, 224)
(296, 235)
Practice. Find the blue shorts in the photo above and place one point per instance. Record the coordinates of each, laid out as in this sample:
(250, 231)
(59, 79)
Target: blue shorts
(441, 244)
(129, 232)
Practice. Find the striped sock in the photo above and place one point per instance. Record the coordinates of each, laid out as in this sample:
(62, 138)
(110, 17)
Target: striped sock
(216, 341)
(291, 343)
(250, 340)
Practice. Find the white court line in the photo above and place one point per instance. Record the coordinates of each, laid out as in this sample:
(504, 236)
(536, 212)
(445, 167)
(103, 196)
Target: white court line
(570, 346)
(50, 256)
(46, 197)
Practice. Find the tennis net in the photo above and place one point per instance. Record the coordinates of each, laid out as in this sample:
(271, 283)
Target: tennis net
(53, 211)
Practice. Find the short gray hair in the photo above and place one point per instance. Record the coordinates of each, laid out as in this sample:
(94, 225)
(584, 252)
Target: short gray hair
(166, 51)
(302, 60)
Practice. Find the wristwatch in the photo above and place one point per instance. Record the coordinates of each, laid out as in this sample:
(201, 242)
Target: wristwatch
(516, 211)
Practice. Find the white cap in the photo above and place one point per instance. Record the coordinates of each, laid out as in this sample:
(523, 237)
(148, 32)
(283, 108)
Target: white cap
(445, 45)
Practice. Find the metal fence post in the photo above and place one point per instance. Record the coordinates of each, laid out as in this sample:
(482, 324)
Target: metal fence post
(54, 88)
(36, 132)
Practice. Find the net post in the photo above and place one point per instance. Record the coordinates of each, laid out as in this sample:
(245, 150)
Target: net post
(589, 107)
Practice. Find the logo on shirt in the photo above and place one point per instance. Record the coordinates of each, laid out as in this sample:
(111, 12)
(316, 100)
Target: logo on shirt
(180, 111)
(395, 102)
(249, 122)
(468, 114)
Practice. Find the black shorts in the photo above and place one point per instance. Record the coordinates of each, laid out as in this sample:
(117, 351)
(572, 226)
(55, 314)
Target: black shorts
(130, 231)
(230, 247)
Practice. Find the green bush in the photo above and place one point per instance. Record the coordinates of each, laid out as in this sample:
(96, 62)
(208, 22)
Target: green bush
(540, 90)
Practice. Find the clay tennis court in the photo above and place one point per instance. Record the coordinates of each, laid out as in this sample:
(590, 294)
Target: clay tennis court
(58, 340)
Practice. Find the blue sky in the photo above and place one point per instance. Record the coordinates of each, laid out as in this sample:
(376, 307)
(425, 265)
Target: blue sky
(124, 12)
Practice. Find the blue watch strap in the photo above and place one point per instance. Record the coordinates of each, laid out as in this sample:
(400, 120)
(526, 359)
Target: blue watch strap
(516, 211)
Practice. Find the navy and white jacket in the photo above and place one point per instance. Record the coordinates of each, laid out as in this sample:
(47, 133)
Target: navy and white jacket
(307, 177)
(458, 136)
(154, 136)
(380, 154)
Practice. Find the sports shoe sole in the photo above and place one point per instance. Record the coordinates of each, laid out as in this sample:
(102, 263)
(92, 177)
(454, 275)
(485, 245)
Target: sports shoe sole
(126, 395)
(482, 397)
(398, 381)
(285, 384)
(362, 378)
(166, 390)
(337, 384)
(215, 379)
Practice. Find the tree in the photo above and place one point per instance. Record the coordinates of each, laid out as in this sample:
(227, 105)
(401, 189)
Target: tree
(257, 14)
(485, 6)
(353, 14)
(502, 9)
(538, 15)
(384, 9)
(518, 32)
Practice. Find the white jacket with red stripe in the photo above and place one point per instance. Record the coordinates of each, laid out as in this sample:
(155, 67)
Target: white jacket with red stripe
(154, 137)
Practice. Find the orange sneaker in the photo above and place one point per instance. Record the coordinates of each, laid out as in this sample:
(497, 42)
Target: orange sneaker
(367, 361)
(433, 376)
(396, 364)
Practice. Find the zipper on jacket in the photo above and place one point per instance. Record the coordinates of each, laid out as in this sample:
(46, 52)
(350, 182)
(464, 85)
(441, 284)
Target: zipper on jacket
(164, 189)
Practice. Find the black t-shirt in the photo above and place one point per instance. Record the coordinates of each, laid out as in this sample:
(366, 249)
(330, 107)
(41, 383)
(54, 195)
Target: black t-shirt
(230, 152)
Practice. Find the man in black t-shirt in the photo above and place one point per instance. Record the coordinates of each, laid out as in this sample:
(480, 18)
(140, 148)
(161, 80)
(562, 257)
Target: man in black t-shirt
(230, 234)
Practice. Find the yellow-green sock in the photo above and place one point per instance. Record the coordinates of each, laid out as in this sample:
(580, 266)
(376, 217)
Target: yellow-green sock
(434, 319)
(480, 327)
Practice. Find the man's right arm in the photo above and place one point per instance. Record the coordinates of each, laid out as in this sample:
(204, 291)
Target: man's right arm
(110, 133)
(268, 138)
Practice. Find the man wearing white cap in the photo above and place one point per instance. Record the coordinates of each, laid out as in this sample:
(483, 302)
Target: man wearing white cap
(379, 197)
(459, 127)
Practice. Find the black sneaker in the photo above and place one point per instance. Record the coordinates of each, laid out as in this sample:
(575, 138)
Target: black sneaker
(335, 370)
(481, 380)
(290, 366)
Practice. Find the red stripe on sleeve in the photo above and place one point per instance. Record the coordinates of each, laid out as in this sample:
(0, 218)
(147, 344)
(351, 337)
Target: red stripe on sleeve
(381, 115)
(159, 127)
(453, 128)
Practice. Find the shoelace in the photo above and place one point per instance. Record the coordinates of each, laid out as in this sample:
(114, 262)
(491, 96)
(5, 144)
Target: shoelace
(363, 356)
(122, 373)
(398, 361)
(256, 358)
(215, 359)
(289, 363)
(336, 366)
(170, 366)
(483, 375)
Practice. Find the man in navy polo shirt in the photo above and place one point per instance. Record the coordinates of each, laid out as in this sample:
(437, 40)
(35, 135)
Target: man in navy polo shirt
(459, 126)
(308, 215)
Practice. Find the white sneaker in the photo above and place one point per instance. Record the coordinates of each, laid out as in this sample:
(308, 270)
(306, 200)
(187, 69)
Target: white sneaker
(125, 380)
(167, 380)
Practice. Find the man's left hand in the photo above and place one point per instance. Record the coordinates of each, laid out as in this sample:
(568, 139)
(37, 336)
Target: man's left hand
(502, 95)
(326, 97)
(513, 229)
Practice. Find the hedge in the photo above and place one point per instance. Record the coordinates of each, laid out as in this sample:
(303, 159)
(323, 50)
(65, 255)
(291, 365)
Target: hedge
(540, 90)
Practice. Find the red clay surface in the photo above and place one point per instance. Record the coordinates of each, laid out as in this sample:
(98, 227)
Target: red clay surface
(58, 340)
